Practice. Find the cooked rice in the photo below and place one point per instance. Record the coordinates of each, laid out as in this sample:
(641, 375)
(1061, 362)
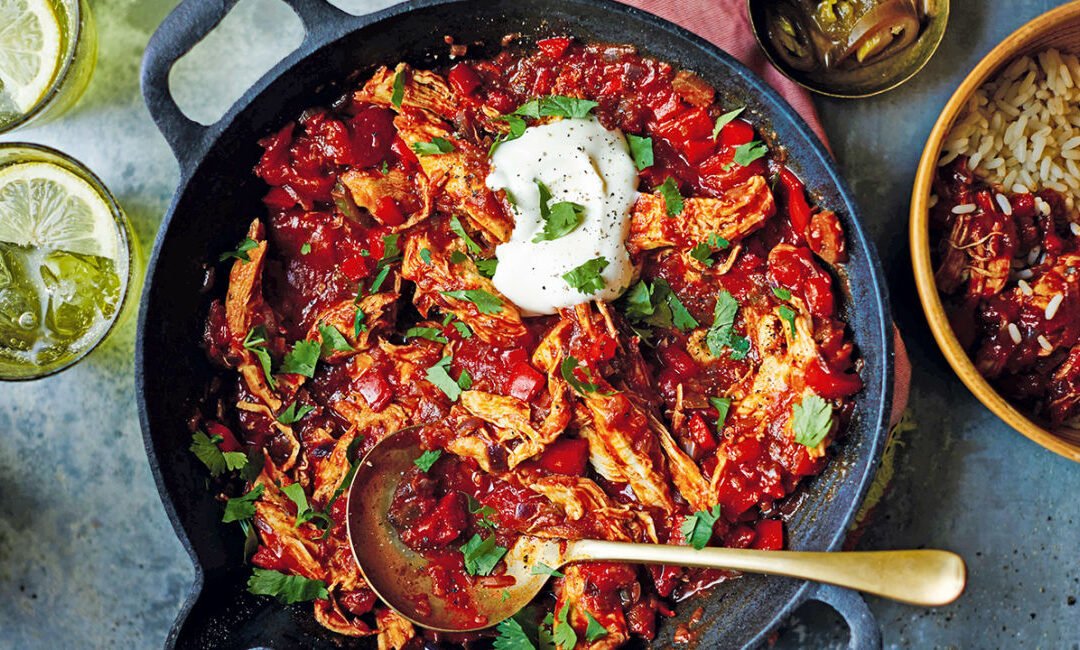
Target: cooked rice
(1021, 130)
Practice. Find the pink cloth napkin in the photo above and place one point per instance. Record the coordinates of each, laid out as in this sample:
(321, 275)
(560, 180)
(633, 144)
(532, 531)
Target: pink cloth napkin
(726, 24)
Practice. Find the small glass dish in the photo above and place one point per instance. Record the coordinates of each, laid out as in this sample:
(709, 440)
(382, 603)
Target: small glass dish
(67, 262)
(75, 60)
(872, 78)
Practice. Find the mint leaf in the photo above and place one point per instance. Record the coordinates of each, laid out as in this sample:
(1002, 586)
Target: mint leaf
(813, 420)
(586, 278)
(240, 508)
(302, 359)
(485, 302)
(673, 201)
(427, 459)
(436, 146)
(292, 414)
(287, 589)
(241, 252)
(724, 119)
(698, 527)
(481, 555)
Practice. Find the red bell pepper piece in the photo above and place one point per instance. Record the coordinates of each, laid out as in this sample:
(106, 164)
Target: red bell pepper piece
(553, 47)
(699, 432)
(374, 388)
(681, 363)
(566, 456)
(387, 212)
(228, 440)
(524, 381)
(795, 196)
(464, 79)
(829, 383)
(768, 535)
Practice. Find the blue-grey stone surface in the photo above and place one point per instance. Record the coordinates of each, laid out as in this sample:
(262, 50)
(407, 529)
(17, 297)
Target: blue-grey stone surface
(88, 558)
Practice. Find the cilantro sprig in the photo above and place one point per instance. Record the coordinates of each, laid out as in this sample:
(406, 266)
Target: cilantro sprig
(218, 462)
(586, 277)
(563, 633)
(481, 555)
(439, 375)
(556, 106)
(242, 507)
(655, 305)
(813, 420)
(255, 342)
(286, 588)
(698, 527)
(302, 358)
(241, 252)
(294, 412)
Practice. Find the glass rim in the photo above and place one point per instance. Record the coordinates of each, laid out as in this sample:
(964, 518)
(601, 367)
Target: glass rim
(76, 9)
(122, 227)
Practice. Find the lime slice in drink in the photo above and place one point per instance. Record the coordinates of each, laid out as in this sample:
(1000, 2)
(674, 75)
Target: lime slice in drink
(29, 51)
(46, 206)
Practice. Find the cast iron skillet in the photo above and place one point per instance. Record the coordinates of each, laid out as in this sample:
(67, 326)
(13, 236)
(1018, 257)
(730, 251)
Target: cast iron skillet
(218, 196)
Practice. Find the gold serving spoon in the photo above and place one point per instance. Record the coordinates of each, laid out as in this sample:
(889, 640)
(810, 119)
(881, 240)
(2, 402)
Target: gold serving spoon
(397, 573)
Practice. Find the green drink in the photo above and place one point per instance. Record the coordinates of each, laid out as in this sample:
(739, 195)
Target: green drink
(65, 261)
(48, 49)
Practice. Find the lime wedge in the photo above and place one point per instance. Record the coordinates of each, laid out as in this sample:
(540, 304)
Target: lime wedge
(29, 51)
(46, 206)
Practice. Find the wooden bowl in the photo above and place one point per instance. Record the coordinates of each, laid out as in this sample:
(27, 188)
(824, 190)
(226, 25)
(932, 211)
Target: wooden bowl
(1059, 28)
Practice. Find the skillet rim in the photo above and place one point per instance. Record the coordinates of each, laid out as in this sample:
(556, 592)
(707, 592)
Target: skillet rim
(706, 55)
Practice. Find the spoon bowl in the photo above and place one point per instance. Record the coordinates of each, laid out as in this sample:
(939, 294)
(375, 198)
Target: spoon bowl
(401, 578)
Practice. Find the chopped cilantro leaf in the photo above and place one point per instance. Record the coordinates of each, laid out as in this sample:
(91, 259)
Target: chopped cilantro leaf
(427, 459)
(332, 341)
(385, 169)
(379, 279)
(749, 152)
(425, 255)
(304, 511)
(358, 322)
(511, 635)
(292, 414)
(781, 293)
(239, 508)
(586, 278)
(567, 368)
(673, 201)
(505, 596)
(464, 381)
(556, 106)
(701, 252)
(477, 508)
(724, 119)
(640, 151)
(788, 314)
(541, 569)
(462, 329)
(256, 460)
(436, 146)
(680, 316)
(302, 359)
(813, 420)
(487, 267)
(716, 241)
(698, 527)
(391, 250)
(481, 555)
(484, 301)
(564, 635)
(517, 129)
(429, 333)
(255, 342)
(398, 92)
(595, 630)
(722, 405)
(722, 332)
(656, 305)
(241, 252)
(457, 257)
(287, 589)
(305, 248)
(560, 219)
(439, 376)
(205, 449)
(459, 230)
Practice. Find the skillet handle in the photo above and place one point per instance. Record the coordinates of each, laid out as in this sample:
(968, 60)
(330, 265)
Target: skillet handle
(864, 628)
(181, 30)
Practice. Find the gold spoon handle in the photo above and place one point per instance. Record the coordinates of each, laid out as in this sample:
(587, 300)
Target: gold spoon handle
(919, 577)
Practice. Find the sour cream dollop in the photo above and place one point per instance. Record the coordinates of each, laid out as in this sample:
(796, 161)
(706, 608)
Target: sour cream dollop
(582, 162)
